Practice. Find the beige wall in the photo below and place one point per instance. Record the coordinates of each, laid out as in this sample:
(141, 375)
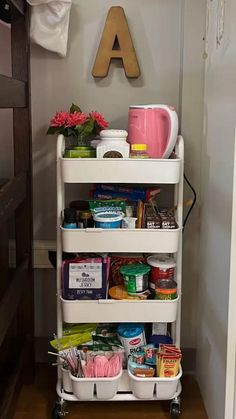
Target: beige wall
(192, 124)
(156, 29)
(216, 207)
(56, 82)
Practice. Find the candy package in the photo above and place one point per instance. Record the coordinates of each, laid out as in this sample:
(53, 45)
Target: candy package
(142, 371)
(74, 335)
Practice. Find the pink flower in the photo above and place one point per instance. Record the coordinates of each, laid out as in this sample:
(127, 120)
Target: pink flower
(76, 118)
(99, 118)
(59, 119)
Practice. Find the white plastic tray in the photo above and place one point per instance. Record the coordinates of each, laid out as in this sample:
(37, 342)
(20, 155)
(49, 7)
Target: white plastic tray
(84, 311)
(121, 170)
(120, 240)
(106, 388)
(159, 390)
(162, 388)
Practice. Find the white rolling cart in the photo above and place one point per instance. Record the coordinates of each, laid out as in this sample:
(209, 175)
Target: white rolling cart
(150, 171)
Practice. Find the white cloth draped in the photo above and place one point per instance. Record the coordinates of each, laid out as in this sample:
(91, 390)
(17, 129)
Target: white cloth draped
(50, 23)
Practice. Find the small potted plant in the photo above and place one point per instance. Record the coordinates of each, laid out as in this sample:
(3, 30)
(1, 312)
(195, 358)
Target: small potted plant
(79, 128)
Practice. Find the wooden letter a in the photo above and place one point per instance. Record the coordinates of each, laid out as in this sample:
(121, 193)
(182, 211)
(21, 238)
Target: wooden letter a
(116, 42)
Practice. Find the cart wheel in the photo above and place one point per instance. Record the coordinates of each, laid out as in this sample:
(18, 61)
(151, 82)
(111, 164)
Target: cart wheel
(58, 410)
(175, 408)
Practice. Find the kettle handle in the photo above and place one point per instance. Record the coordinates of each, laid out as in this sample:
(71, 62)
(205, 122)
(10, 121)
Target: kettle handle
(173, 132)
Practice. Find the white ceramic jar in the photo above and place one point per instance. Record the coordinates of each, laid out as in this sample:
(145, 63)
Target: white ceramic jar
(113, 144)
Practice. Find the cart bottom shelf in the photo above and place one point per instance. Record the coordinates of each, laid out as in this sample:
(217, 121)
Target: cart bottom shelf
(129, 390)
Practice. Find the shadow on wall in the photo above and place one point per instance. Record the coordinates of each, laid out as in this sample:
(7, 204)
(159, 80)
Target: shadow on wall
(44, 171)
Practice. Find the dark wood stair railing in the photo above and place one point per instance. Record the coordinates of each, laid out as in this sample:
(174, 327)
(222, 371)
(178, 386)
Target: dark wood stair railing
(16, 285)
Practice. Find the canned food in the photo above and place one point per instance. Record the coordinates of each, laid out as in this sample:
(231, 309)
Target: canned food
(135, 277)
(166, 289)
(162, 267)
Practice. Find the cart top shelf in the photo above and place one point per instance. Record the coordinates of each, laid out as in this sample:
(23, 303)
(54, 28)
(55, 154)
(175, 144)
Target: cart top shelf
(149, 171)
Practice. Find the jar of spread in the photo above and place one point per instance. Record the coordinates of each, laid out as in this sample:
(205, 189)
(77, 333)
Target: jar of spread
(139, 151)
(85, 217)
(162, 267)
(166, 289)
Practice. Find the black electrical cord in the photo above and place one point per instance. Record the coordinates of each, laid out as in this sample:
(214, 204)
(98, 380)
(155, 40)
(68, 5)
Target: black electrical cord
(193, 203)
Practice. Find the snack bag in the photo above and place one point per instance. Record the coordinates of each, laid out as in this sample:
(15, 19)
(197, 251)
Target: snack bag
(114, 205)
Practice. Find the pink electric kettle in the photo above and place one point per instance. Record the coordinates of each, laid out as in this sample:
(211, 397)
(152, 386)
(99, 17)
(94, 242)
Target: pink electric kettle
(154, 125)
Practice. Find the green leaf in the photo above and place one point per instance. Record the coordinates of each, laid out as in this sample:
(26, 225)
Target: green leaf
(70, 132)
(75, 108)
(88, 127)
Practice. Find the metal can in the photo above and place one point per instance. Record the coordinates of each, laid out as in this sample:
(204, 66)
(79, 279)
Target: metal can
(135, 277)
(162, 267)
(166, 289)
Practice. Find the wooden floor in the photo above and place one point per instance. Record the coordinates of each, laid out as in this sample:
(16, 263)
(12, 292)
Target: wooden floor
(36, 402)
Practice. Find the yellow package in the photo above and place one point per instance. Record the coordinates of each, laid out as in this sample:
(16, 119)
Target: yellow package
(168, 366)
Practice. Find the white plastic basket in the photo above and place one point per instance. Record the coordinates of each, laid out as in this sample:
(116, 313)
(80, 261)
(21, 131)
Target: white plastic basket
(66, 380)
(116, 311)
(163, 388)
(136, 240)
(106, 388)
(122, 171)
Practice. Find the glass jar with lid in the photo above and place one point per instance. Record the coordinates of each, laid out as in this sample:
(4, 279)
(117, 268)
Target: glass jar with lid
(139, 151)
(85, 218)
(113, 144)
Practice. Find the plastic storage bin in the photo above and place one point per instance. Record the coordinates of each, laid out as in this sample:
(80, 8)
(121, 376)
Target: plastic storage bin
(138, 171)
(106, 388)
(162, 388)
(66, 380)
(119, 311)
(113, 240)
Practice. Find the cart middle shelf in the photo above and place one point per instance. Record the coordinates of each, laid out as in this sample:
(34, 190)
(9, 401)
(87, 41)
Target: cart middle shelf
(120, 240)
(102, 311)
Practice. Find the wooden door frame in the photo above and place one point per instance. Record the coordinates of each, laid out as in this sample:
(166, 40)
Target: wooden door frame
(17, 300)
(230, 385)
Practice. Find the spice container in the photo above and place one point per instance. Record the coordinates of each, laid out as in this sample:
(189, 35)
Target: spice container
(85, 217)
(113, 144)
(166, 289)
(162, 267)
(139, 151)
(135, 277)
(70, 218)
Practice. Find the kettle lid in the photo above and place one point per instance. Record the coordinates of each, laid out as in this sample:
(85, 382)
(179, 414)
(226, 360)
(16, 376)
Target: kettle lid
(151, 106)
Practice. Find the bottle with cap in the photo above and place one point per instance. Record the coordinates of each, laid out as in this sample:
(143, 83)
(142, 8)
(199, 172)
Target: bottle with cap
(85, 217)
(70, 218)
(139, 151)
